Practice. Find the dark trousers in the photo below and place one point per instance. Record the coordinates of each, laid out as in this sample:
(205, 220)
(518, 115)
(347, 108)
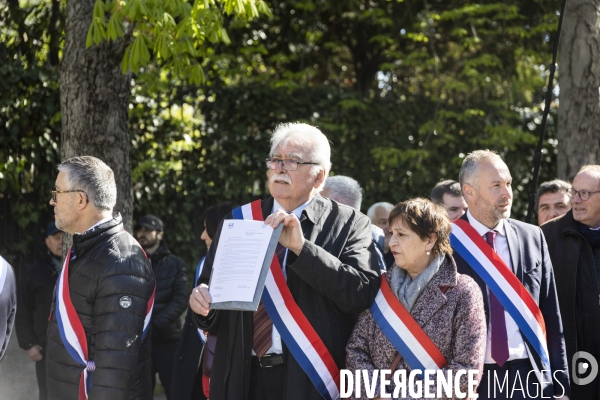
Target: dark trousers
(511, 381)
(162, 362)
(40, 373)
(266, 383)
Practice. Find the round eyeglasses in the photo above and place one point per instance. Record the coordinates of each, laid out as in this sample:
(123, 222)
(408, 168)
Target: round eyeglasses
(583, 194)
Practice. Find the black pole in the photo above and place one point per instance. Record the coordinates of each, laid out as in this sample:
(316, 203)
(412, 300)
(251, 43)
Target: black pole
(537, 159)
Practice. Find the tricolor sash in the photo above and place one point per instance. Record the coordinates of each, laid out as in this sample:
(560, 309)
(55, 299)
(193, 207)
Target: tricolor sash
(72, 332)
(404, 332)
(513, 296)
(3, 271)
(199, 267)
(302, 340)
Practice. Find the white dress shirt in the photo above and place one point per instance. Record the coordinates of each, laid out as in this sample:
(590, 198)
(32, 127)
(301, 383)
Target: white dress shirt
(516, 346)
(276, 347)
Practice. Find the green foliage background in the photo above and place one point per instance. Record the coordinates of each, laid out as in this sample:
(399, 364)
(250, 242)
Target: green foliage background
(403, 90)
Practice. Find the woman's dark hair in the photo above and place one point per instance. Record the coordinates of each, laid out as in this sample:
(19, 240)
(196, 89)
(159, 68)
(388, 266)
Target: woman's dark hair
(213, 216)
(425, 218)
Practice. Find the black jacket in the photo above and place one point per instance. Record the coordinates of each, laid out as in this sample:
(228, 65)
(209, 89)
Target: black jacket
(110, 266)
(533, 267)
(35, 293)
(186, 368)
(573, 263)
(8, 304)
(172, 295)
(335, 277)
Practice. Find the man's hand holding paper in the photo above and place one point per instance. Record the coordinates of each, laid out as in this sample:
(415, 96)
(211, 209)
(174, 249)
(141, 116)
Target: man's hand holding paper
(291, 236)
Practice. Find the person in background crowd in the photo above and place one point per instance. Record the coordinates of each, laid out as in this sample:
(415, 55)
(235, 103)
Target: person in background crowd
(346, 190)
(379, 213)
(574, 246)
(8, 304)
(446, 305)
(487, 187)
(170, 300)
(552, 200)
(36, 288)
(448, 194)
(104, 293)
(187, 383)
(330, 267)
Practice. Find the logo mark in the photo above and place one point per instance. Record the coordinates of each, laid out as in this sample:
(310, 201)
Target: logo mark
(125, 302)
(580, 367)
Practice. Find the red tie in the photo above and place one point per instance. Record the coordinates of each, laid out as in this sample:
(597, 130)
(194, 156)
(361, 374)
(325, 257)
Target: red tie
(263, 326)
(499, 336)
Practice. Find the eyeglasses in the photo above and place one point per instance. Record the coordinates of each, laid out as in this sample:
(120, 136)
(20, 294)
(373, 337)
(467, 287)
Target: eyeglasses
(55, 192)
(583, 194)
(288, 165)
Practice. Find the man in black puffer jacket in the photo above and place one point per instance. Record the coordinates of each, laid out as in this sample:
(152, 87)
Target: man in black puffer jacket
(110, 286)
(171, 298)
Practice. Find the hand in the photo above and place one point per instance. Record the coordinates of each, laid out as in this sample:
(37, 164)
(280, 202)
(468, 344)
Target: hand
(291, 235)
(200, 300)
(35, 353)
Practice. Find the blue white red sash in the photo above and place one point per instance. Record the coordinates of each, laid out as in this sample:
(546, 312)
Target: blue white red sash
(404, 332)
(3, 272)
(513, 296)
(304, 343)
(72, 332)
(199, 267)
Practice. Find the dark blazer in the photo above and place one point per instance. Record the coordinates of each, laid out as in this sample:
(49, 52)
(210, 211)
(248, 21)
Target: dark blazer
(8, 306)
(573, 262)
(532, 266)
(335, 277)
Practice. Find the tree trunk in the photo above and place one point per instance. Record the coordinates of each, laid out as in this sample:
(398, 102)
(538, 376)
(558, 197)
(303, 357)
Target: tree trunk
(578, 127)
(94, 98)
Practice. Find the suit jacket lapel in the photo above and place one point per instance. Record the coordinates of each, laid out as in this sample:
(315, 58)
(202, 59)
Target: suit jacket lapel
(512, 236)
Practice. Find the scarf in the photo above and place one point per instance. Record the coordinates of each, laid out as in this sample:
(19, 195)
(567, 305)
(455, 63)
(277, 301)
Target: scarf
(590, 234)
(408, 290)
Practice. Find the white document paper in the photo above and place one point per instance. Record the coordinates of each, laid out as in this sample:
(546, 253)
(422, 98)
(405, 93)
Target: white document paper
(240, 256)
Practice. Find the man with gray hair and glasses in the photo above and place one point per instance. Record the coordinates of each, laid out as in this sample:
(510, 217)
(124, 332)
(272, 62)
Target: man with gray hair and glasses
(552, 200)
(326, 269)
(574, 245)
(97, 345)
(509, 260)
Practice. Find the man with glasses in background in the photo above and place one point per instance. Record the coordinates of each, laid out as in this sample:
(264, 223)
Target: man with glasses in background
(574, 245)
(104, 293)
(329, 269)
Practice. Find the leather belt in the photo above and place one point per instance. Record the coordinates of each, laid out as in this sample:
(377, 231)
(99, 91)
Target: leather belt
(268, 360)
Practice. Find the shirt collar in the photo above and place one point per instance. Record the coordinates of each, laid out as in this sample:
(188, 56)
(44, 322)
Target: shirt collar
(98, 223)
(482, 229)
(297, 211)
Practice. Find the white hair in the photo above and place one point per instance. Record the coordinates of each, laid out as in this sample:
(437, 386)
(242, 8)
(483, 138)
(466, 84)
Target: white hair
(311, 139)
(471, 163)
(345, 190)
(373, 209)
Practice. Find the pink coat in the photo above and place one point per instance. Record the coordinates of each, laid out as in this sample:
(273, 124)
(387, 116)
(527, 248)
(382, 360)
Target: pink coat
(454, 321)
